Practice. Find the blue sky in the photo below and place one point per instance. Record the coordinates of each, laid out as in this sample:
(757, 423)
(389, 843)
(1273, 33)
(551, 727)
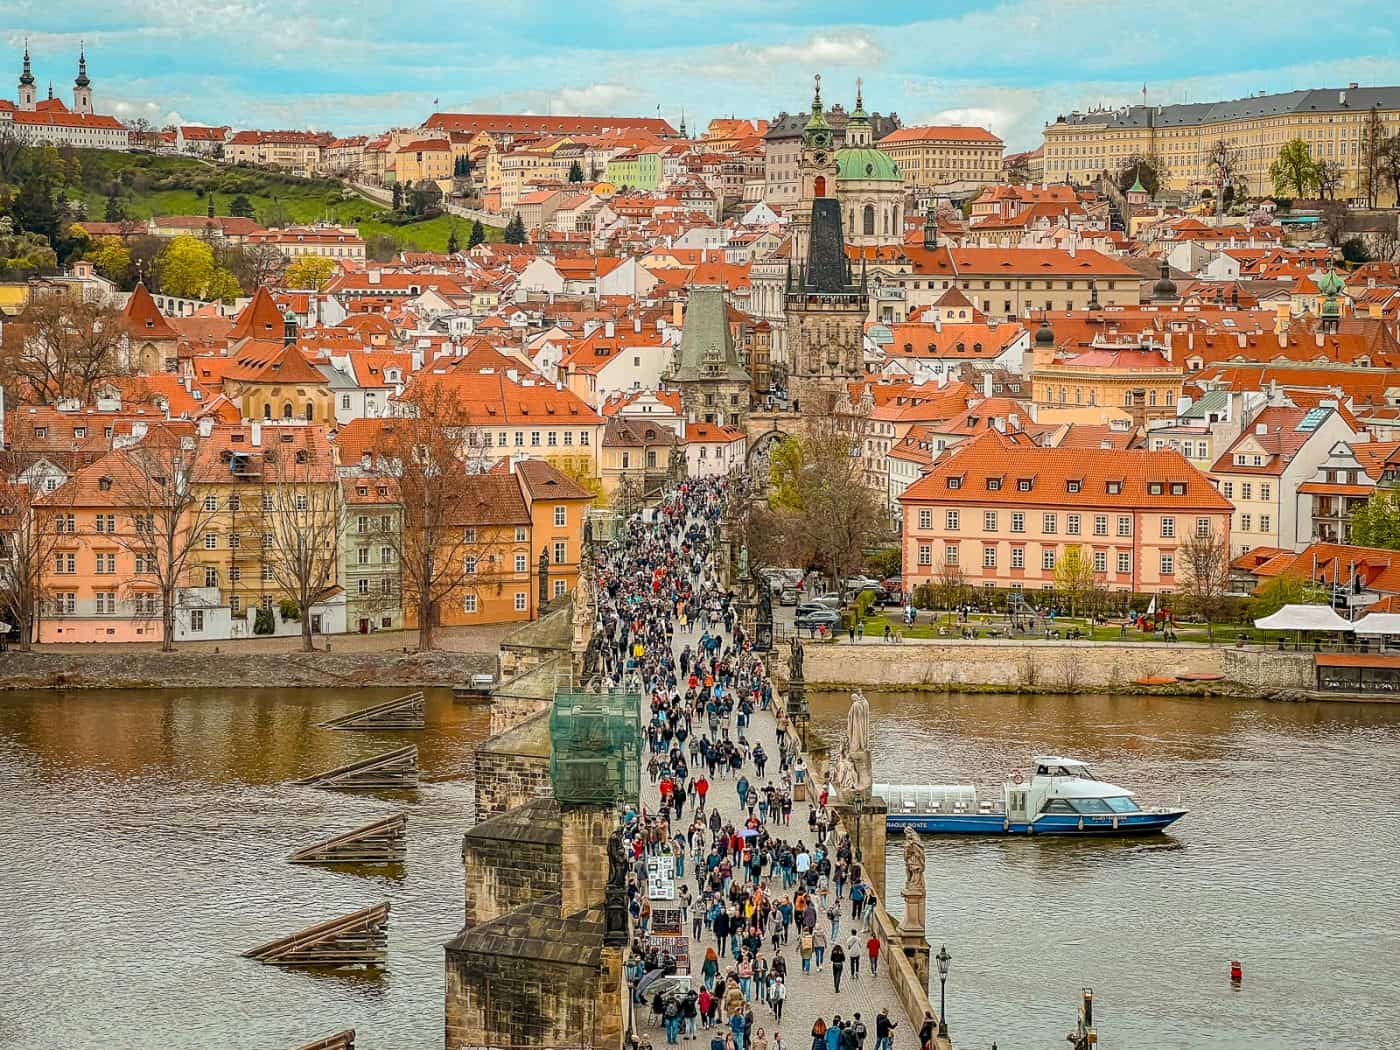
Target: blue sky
(346, 67)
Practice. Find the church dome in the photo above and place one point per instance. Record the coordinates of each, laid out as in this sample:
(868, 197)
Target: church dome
(864, 162)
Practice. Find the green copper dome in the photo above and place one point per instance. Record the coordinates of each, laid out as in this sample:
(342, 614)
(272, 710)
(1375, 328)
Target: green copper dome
(864, 162)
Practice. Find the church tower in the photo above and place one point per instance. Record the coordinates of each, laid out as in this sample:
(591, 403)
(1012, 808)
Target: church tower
(82, 86)
(816, 170)
(27, 100)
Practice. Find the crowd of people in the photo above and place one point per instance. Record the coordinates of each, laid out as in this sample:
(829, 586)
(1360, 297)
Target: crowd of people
(766, 896)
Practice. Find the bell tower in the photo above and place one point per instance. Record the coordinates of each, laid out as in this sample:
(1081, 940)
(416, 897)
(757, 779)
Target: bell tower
(27, 100)
(82, 86)
(816, 172)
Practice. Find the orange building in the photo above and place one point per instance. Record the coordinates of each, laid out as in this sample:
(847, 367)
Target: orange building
(1001, 512)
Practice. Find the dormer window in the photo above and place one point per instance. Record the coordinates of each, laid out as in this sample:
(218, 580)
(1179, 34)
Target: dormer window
(1178, 488)
(1024, 485)
(955, 483)
(1115, 488)
(1155, 488)
(1072, 486)
(994, 484)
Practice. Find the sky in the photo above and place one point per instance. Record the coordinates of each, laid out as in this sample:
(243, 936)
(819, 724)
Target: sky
(1009, 66)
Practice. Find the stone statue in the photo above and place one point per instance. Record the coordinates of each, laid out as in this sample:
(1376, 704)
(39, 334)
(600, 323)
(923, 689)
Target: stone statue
(615, 923)
(591, 659)
(617, 860)
(844, 776)
(913, 859)
(587, 533)
(858, 724)
(744, 562)
(543, 578)
(795, 660)
(765, 605)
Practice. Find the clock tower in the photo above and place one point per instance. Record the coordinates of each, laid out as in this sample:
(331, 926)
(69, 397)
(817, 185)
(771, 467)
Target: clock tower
(816, 169)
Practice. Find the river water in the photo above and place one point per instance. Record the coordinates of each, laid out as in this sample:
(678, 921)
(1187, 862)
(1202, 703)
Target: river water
(144, 837)
(1285, 863)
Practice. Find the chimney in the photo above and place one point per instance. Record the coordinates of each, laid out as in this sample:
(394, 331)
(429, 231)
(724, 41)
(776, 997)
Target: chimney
(373, 276)
(255, 434)
(986, 384)
(609, 329)
(366, 461)
(206, 426)
(637, 322)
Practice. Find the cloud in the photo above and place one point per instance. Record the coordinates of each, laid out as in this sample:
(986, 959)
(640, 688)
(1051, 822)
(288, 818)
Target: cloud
(821, 49)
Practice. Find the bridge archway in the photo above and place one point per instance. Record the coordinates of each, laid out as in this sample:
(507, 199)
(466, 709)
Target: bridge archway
(760, 451)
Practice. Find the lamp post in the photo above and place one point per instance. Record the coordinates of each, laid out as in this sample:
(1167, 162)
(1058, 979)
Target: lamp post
(943, 959)
(858, 805)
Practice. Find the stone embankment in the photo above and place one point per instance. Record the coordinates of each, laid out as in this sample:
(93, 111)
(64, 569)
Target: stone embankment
(149, 669)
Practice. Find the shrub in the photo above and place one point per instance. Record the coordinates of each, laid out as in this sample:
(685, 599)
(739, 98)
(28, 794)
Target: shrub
(290, 610)
(263, 623)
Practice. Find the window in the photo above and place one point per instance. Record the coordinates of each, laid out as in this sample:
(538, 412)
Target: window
(521, 563)
(989, 557)
(301, 501)
(1125, 525)
(1115, 488)
(994, 484)
(1178, 488)
(469, 564)
(267, 501)
(267, 541)
(345, 401)
(1265, 521)
(1229, 490)
(583, 437)
(952, 521)
(520, 439)
(1246, 490)
(1100, 524)
(1168, 564)
(211, 541)
(267, 574)
(561, 551)
(1101, 561)
(1168, 528)
(1018, 557)
(926, 518)
(1072, 524)
(926, 553)
(196, 621)
(211, 502)
(535, 438)
(362, 586)
(362, 523)
(626, 460)
(234, 503)
(989, 521)
(106, 564)
(65, 523)
(560, 587)
(469, 603)
(1024, 485)
(469, 535)
(106, 602)
(1047, 559)
(362, 556)
(950, 554)
(386, 587)
(1202, 528)
(1072, 486)
(1125, 563)
(1018, 521)
(568, 437)
(1051, 524)
(1154, 488)
(234, 574)
(234, 541)
(1246, 522)
(1264, 490)
(521, 601)
(561, 516)
(386, 555)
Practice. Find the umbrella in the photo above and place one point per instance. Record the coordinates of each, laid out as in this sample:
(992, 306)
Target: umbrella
(651, 977)
(747, 833)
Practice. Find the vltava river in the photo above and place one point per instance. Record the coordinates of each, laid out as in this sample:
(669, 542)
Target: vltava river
(1286, 863)
(144, 836)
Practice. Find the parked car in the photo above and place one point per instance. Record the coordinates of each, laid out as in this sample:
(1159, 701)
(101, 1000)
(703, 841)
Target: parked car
(789, 596)
(831, 599)
(828, 618)
(861, 583)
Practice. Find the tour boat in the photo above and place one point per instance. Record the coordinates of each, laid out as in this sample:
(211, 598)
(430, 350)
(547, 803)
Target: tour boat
(1060, 797)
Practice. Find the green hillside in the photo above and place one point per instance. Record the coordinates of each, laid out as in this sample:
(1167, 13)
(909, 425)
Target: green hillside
(147, 184)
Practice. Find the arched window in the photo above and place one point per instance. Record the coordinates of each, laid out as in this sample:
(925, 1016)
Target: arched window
(287, 410)
(310, 412)
(867, 225)
(819, 187)
(898, 228)
(267, 411)
(885, 214)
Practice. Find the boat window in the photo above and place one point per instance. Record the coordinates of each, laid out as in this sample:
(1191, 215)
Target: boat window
(1091, 805)
(1122, 804)
(1058, 805)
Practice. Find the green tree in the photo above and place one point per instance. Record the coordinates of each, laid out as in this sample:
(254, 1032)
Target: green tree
(1147, 168)
(186, 267)
(1376, 523)
(1294, 172)
(223, 286)
(1074, 577)
(398, 197)
(241, 206)
(575, 172)
(515, 231)
(478, 234)
(310, 271)
(1286, 590)
(111, 258)
(34, 210)
(116, 211)
(452, 245)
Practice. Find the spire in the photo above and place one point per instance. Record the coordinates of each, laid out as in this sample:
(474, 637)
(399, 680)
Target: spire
(50, 90)
(683, 134)
(26, 77)
(82, 80)
(860, 105)
(931, 227)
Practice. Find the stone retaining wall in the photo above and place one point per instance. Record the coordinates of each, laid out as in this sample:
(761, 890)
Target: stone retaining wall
(198, 669)
(1268, 670)
(1069, 667)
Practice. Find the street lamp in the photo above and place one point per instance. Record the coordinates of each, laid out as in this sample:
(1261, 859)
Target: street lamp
(943, 959)
(858, 804)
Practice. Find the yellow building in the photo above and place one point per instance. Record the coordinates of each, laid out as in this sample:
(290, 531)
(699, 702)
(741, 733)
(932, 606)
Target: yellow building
(421, 159)
(1105, 383)
(1335, 122)
(522, 167)
(938, 156)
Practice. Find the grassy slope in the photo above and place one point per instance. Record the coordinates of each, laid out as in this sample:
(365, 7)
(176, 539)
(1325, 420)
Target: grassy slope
(305, 199)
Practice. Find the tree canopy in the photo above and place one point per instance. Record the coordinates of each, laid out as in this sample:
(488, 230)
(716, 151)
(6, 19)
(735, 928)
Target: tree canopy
(1377, 522)
(311, 272)
(1294, 172)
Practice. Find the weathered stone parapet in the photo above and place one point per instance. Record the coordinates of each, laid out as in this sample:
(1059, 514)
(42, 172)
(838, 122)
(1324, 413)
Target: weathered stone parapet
(103, 668)
(511, 860)
(512, 768)
(1268, 670)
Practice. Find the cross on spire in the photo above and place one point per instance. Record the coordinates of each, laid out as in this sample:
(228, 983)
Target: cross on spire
(817, 91)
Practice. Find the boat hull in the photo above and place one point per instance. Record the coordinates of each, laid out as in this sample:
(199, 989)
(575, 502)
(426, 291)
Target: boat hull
(1143, 823)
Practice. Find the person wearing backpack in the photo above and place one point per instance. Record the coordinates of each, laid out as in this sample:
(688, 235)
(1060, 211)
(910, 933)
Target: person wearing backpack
(671, 1014)
(806, 945)
(838, 964)
(858, 1030)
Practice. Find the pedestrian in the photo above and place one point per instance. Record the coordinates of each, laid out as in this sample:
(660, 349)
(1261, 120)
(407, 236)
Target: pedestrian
(777, 995)
(884, 1030)
(853, 953)
(819, 944)
(926, 1031)
(872, 948)
(818, 1034)
(838, 964)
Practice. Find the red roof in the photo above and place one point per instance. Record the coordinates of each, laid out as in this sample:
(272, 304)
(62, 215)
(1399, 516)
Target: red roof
(144, 318)
(519, 124)
(939, 133)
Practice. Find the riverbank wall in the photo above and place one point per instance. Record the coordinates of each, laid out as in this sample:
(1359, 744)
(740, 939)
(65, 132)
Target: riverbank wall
(150, 669)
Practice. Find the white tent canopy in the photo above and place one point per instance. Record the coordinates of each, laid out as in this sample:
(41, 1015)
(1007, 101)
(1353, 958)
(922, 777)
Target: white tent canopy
(1378, 623)
(1304, 618)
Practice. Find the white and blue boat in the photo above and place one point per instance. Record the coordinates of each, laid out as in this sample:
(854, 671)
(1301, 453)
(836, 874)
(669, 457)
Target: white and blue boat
(1059, 797)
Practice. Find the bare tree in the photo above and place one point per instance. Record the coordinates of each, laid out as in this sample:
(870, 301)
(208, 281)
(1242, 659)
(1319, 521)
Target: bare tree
(155, 482)
(1223, 163)
(254, 265)
(429, 453)
(1372, 145)
(1328, 179)
(949, 586)
(303, 520)
(1203, 568)
(30, 524)
(60, 347)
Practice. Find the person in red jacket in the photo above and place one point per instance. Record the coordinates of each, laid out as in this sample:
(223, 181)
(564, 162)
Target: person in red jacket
(872, 948)
(702, 786)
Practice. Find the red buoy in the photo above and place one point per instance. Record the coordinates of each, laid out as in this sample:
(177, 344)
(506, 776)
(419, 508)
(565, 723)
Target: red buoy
(1236, 970)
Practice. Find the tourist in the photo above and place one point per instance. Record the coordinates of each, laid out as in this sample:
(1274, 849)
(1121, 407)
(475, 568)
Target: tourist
(777, 995)
(760, 1041)
(819, 944)
(872, 948)
(858, 1031)
(927, 1030)
(818, 1034)
(884, 1029)
(838, 964)
(853, 953)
